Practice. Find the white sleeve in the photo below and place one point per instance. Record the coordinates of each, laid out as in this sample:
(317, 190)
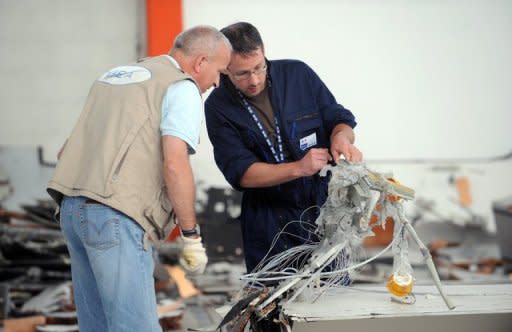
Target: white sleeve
(182, 113)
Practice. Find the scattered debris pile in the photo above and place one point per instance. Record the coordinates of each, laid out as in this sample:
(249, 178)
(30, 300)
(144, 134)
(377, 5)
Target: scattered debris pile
(34, 270)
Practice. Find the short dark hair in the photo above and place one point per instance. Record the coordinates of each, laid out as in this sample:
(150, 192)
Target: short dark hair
(244, 37)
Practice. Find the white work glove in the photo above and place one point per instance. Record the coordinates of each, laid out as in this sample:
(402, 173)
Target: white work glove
(193, 257)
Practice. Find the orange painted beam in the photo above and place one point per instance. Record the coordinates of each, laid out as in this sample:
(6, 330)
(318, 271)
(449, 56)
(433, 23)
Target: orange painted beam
(464, 191)
(164, 23)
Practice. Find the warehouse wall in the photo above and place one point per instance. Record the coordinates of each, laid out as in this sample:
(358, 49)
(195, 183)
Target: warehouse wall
(50, 52)
(428, 82)
(426, 79)
(414, 72)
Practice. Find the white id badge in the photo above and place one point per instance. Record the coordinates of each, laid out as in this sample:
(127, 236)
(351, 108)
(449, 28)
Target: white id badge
(307, 141)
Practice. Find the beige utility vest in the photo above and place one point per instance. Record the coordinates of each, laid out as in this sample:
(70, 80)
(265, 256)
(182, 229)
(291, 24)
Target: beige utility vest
(114, 153)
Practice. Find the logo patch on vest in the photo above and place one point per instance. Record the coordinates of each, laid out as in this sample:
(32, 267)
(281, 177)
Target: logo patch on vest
(126, 75)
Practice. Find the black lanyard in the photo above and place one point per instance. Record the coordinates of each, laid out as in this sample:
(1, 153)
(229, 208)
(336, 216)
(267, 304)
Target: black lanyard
(278, 157)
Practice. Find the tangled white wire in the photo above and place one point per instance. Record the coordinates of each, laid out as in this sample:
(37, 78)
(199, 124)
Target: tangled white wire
(333, 248)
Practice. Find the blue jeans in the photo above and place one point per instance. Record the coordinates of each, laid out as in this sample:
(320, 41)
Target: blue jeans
(112, 273)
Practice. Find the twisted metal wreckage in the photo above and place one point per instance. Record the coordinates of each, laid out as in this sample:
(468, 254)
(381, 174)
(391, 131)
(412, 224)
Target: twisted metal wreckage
(358, 200)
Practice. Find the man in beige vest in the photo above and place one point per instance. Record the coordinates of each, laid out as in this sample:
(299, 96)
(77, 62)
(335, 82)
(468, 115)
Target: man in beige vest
(124, 175)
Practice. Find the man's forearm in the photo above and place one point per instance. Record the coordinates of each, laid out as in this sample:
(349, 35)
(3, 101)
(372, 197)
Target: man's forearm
(179, 180)
(181, 192)
(266, 175)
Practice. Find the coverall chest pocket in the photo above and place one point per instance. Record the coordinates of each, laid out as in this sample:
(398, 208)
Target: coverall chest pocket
(306, 131)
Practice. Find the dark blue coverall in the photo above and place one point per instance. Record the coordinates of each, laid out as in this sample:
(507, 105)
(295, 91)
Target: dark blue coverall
(303, 105)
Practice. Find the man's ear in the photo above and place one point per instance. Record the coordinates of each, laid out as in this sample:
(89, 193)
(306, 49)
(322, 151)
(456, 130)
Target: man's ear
(200, 61)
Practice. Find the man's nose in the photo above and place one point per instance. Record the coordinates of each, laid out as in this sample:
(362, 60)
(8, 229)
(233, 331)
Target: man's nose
(254, 79)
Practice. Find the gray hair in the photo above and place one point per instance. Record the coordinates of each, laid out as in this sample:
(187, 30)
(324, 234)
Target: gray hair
(199, 39)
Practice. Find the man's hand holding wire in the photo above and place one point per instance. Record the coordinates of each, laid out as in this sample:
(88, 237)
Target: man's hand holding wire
(341, 144)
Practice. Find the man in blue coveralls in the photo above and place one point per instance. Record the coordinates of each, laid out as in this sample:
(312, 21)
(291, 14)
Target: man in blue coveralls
(274, 125)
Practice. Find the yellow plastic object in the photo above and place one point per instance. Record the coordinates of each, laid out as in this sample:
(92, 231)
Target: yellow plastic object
(399, 284)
